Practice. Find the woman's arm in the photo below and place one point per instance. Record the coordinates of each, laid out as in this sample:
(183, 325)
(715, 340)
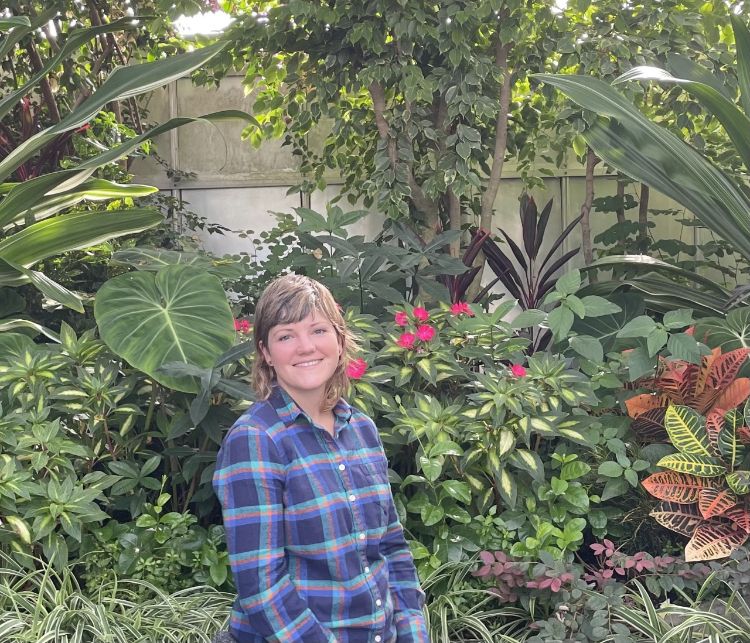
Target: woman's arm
(249, 482)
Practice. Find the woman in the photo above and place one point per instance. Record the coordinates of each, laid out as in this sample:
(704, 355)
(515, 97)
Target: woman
(315, 545)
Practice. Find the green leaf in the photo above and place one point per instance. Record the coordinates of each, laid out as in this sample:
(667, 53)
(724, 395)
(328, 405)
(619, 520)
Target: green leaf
(576, 306)
(742, 42)
(560, 321)
(675, 319)
(431, 515)
(597, 306)
(610, 469)
(457, 490)
(588, 347)
(685, 347)
(687, 430)
(569, 283)
(178, 314)
(656, 341)
(528, 318)
(431, 467)
(506, 485)
(641, 326)
(528, 461)
(574, 470)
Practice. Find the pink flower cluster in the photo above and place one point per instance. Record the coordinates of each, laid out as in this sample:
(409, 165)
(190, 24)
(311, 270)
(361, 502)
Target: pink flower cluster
(423, 332)
(517, 370)
(242, 326)
(461, 308)
(356, 368)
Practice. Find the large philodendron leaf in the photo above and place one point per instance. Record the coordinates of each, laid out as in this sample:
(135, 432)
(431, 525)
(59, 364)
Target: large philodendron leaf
(727, 333)
(716, 538)
(142, 258)
(179, 314)
(650, 154)
(687, 430)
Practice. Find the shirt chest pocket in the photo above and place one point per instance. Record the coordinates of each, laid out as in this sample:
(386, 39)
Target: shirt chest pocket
(374, 491)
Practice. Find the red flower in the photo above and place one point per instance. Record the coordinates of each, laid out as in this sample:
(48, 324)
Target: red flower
(406, 340)
(402, 319)
(242, 326)
(517, 370)
(425, 333)
(420, 314)
(690, 331)
(461, 308)
(356, 368)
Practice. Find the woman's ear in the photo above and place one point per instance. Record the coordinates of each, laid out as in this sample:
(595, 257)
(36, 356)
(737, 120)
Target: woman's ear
(265, 353)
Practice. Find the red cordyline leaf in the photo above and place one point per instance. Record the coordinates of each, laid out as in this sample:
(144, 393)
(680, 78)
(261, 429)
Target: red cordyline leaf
(716, 538)
(673, 486)
(715, 502)
(740, 516)
(725, 368)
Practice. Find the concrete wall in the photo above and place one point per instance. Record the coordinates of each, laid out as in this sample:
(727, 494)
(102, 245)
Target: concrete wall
(239, 186)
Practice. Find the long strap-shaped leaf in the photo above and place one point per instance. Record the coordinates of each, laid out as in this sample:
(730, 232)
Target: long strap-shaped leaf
(73, 232)
(734, 121)
(72, 43)
(36, 193)
(21, 26)
(652, 155)
(742, 41)
(123, 82)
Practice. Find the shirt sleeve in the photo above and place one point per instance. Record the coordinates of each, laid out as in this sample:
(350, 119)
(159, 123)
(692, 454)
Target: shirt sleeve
(249, 483)
(408, 597)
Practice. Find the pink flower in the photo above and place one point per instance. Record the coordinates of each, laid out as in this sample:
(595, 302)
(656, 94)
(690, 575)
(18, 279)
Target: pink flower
(517, 370)
(406, 340)
(420, 314)
(461, 308)
(356, 368)
(425, 333)
(242, 326)
(402, 319)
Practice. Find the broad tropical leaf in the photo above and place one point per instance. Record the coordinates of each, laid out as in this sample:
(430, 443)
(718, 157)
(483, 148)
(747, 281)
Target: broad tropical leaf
(734, 394)
(730, 447)
(143, 258)
(716, 538)
(649, 425)
(696, 465)
(639, 404)
(740, 516)
(739, 482)
(714, 426)
(715, 502)
(677, 487)
(726, 333)
(725, 368)
(687, 430)
(179, 314)
(684, 519)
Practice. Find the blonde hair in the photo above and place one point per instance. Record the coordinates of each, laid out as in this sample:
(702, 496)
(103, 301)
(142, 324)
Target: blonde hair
(290, 299)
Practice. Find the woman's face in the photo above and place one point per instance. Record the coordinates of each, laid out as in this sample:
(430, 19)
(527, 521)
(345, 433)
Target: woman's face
(304, 355)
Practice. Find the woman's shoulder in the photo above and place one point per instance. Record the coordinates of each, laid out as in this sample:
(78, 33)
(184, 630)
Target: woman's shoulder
(260, 417)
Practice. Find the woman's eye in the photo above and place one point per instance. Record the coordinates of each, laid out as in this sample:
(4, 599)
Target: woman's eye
(321, 331)
(282, 338)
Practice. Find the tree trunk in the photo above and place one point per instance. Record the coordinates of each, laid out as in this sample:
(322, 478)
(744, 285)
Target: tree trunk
(588, 250)
(454, 213)
(620, 209)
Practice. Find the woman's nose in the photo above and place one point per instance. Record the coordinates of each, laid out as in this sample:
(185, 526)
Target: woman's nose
(305, 344)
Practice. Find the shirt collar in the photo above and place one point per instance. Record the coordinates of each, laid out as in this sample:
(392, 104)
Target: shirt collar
(288, 410)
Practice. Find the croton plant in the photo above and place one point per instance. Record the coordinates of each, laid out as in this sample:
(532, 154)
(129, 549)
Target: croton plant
(705, 489)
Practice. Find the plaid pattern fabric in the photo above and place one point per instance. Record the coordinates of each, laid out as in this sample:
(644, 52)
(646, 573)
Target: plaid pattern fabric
(315, 545)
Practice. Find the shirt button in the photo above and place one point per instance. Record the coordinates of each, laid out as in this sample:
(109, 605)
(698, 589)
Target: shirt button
(342, 467)
(378, 602)
(367, 570)
(362, 536)
(352, 498)
(378, 638)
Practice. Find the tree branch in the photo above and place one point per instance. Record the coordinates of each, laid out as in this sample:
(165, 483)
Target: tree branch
(643, 213)
(454, 214)
(501, 137)
(49, 98)
(423, 203)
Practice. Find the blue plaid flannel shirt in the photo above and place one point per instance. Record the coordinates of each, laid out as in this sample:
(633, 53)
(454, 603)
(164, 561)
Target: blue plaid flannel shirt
(315, 545)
